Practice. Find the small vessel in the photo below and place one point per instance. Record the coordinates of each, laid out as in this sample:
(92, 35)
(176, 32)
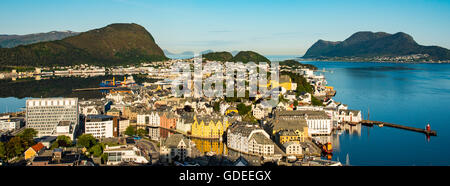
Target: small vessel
(328, 148)
(127, 82)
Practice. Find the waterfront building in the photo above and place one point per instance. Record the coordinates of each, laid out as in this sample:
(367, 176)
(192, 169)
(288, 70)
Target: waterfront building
(250, 139)
(175, 148)
(168, 120)
(285, 136)
(286, 130)
(44, 114)
(210, 126)
(293, 149)
(184, 124)
(101, 126)
(318, 122)
(350, 116)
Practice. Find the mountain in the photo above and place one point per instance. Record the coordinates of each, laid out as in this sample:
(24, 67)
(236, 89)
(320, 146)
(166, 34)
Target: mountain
(234, 52)
(115, 44)
(249, 56)
(218, 56)
(10, 41)
(379, 44)
(206, 51)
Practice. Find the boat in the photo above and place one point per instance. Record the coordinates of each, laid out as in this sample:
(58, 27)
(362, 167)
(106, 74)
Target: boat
(328, 148)
(127, 82)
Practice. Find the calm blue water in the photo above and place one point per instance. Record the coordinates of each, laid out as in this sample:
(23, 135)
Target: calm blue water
(12, 104)
(409, 94)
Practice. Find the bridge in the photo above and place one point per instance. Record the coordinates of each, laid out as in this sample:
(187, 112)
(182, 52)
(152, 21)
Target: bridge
(380, 123)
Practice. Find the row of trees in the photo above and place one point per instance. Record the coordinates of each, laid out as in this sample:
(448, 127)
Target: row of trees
(17, 145)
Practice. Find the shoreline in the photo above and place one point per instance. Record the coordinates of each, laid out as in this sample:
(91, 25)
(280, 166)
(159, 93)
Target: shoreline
(305, 60)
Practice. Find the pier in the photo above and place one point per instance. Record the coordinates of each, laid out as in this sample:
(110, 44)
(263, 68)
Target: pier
(371, 123)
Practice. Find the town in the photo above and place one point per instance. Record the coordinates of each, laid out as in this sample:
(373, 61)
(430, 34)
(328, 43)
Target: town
(149, 124)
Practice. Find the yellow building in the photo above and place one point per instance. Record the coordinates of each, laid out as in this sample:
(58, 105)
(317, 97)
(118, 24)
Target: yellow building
(209, 127)
(296, 136)
(285, 81)
(290, 130)
(33, 151)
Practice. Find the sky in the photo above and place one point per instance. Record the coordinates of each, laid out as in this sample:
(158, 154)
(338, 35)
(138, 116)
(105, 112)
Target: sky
(270, 27)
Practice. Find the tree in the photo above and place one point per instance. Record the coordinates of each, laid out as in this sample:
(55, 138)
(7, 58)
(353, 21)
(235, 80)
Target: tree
(216, 106)
(130, 131)
(97, 150)
(243, 109)
(28, 134)
(86, 140)
(316, 102)
(15, 147)
(142, 132)
(2, 150)
(62, 141)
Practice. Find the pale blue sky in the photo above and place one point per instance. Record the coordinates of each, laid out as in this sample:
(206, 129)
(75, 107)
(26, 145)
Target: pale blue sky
(268, 27)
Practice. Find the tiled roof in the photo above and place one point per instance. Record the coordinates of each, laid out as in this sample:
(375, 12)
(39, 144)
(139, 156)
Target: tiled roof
(39, 146)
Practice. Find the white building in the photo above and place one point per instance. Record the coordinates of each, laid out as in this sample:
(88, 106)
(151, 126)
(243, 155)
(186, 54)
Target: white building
(176, 147)
(100, 126)
(10, 124)
(44, 114)
(124, 154)
(151, 119)
(66, 128)
(351, 116)
(293, 149)
(250, 139)
(319, 122)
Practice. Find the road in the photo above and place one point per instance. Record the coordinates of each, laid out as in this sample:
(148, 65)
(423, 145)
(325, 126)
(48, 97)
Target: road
(149, 148)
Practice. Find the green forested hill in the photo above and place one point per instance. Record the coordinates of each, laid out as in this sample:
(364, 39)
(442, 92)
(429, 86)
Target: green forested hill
(115, 44)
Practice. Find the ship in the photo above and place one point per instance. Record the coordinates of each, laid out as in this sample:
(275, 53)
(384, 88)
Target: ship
(127, 82)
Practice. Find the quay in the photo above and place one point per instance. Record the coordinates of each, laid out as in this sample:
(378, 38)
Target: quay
(371, 123)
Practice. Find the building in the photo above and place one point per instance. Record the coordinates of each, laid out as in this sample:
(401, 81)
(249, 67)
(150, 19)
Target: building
(184, 124)
(101, 126)
(61, 157)
(209, 127)
(150, 119)
(33, 151)
(168, 120)
(290, 130)
(249, 139)
(44, 115)
(175, 148)
(66, 128)
(123, 125)
(318, 122)
(293, 149)
(124, 154)
(10, 124)
(350, 116)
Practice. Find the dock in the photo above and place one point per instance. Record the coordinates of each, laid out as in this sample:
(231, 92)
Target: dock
(372, 123)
